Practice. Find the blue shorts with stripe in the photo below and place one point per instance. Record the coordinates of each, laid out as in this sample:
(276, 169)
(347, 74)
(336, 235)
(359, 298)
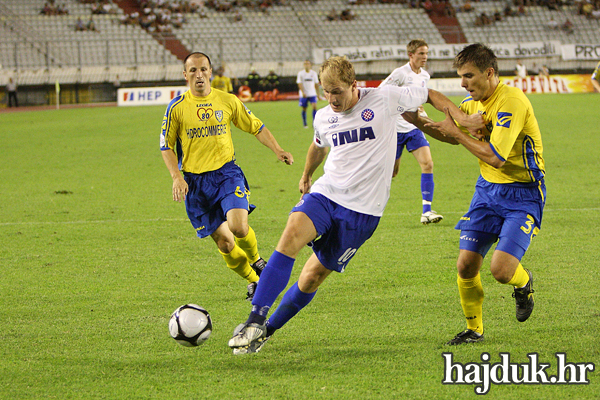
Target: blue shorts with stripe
(340, 231)
(303, 101)
(412, 140)
(511, 212)
(212, 194)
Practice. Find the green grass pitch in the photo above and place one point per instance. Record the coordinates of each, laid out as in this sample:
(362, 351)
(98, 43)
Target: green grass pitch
(94, 257)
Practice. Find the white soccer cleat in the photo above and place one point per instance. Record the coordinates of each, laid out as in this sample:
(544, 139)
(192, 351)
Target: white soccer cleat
(248, 338)
(431, 217)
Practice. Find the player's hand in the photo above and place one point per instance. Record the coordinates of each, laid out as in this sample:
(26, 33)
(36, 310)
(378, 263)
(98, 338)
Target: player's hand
(180, 189)
(447, 127)
(305, 184)
(475, 124)
(286, 157)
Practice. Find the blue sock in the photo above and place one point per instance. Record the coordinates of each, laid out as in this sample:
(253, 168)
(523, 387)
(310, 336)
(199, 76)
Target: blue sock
(314, 113)
(304, 117)
(427, 191)
(293, 301)
(273, 279)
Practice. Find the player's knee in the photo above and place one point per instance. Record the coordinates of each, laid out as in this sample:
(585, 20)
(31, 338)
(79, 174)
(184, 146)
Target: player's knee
(427, 166)
(501, 273)
(239, 230)
(224, 245)
(466, 270)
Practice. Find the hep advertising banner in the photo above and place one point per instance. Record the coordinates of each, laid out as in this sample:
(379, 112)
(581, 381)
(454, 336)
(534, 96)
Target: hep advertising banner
(148, 96)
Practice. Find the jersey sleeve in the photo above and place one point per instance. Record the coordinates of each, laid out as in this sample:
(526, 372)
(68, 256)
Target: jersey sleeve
(244, 119)
(406, 98)
(170, 126)
(396, 78)
(299, 78)
(507, 125)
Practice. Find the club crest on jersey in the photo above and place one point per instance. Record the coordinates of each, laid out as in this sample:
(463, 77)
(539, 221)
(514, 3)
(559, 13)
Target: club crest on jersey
(367, 115)
(333, 120)
(318, 138)
(504, 119)
(353, 136)
(219, 115)
(204, 114)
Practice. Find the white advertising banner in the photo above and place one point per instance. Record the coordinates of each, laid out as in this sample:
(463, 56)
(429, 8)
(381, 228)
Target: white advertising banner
(148, 96)
(436, 51)
(580, 51)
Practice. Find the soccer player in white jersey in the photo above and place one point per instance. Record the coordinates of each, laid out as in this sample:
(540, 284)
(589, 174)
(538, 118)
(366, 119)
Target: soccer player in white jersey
(341, 210)
(409, 136)
(308, 81)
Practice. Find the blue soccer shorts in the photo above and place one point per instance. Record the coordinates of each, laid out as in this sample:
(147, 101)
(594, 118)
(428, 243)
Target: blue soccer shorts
(509, 212)
(340, 231)
(305, 100)
(212, 194)
(413, 140)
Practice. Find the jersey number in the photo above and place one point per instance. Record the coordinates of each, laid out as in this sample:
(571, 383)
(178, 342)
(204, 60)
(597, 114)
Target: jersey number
(347, 255)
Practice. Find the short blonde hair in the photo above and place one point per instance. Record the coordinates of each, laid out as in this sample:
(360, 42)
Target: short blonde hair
(338, 68)
(413, 45)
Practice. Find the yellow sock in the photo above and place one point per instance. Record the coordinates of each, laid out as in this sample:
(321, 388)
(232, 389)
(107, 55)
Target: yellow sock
(250, 245)
(238, 262)
(471, 300)
(520, 278)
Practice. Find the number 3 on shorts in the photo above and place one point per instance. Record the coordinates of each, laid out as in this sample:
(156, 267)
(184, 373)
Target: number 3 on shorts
(239, 193)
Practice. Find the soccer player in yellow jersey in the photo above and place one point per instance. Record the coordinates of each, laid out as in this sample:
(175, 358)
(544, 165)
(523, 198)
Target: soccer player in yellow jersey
(222, 82)
(510, 193)
(596, 78)
(196, 140)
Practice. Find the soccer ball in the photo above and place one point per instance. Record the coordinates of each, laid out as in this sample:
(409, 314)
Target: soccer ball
(190, 325)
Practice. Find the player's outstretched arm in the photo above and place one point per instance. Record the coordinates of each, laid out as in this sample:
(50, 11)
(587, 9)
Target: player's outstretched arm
(473, 123)
(479, 149)
(420, 121)
(314, 158)
(266, 137)
(180, 186)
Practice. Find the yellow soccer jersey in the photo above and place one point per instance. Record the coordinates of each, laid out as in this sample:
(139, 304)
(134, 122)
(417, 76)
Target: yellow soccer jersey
(515, 135)
(596, 73)
(222, 83)
(198, 129)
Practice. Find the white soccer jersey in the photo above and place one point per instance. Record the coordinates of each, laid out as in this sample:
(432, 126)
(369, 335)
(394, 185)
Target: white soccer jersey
(362, 141)
(405, 76)
(309, 81)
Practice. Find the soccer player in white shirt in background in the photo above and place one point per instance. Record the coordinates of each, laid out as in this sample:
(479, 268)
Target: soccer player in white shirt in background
(308, 82)
(341, 210)
(412, 74)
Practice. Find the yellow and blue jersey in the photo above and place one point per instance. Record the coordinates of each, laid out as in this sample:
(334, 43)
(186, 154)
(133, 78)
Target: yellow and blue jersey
(198, 129)
(596, 73)
(515, 135)
(222, 83)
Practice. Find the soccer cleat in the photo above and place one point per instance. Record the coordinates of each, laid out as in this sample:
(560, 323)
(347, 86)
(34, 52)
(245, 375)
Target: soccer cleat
(468, 336)
(524, 299)
(248, 338)
(430, 217)
(258, 266)
(252, 348)
(251, 290)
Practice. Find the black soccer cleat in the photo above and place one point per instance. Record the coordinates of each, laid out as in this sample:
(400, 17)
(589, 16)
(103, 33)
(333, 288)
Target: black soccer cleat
(251, 290)
(524, 299)
(258, 266)
(468, 336)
